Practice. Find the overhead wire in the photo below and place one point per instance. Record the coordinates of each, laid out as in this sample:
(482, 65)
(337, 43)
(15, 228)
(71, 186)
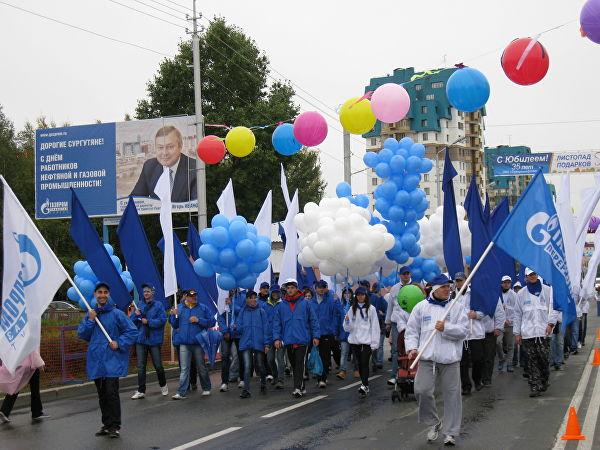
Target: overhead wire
(147, 14)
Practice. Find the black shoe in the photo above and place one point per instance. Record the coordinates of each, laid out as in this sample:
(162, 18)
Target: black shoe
(535, 393)
(557, 367)
(245, 394)
(263, 390)
(466, 391)
(478, 387)
(193, 387)
(544, 386)
(114, 434)
(525, 375)
(102, 432)
(279, 385)
(576, 352)
(487, 384)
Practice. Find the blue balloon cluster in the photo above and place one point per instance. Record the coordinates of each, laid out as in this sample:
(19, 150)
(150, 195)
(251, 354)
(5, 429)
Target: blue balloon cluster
(344, 190)
(85, 279)
(390, 280)
(424, 269)
(234, 251)
(399, 199)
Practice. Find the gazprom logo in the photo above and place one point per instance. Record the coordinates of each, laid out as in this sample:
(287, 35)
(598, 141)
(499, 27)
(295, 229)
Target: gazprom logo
(49, 207)
(541, 228)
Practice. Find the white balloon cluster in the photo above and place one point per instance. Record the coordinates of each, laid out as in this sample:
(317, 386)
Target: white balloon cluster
(432, 234)
(335, 235)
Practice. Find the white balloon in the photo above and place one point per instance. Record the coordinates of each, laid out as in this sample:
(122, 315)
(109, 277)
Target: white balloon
(376, 240)
(310, 206)
(342, 223)
(326, 232)
(325, 221)
(389, 242)
(299, 221)
(323, 250)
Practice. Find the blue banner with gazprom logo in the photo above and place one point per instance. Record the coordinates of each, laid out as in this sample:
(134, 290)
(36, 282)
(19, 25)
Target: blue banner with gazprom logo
(80, 157)
(525, 164)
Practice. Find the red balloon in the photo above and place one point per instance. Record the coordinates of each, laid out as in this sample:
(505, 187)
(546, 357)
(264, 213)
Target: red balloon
(211, 149)
(534, 65)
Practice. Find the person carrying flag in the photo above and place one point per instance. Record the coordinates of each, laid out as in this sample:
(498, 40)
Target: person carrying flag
(440, 361)
(107, 361)
(535, 318)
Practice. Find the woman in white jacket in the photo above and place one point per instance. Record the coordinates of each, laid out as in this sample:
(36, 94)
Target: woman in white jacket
(362, 324)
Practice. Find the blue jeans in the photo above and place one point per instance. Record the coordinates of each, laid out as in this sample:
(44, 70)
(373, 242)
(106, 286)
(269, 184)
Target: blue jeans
(394, 335)
(275, 359)
(344, 357)
(249, 355)
(574, 335)
(142, 359)
(186, 352)
(556, 348)
(227, 369)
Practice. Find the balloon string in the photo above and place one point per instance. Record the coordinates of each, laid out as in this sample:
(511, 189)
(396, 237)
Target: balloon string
(527, 51)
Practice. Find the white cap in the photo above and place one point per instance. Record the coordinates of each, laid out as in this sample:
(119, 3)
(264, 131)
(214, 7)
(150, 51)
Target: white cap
(528, 271)
(518, 283)
(506, 278)
(291, 280)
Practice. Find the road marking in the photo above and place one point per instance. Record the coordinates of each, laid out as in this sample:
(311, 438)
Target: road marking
(591, 416)
(207, 438)
(575, 402)
(290, 408)
(357, 383)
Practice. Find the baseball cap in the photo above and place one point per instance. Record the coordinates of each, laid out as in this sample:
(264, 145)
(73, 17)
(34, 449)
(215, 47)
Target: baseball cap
(250, 293)
(404, 269)
(360, 290)
(149, 286)
(460, 276)
(291, 281)
(518, 284)
(506, 278)
(191, 292)
(321, 284)
(264, 285)
(528, 271)
(101, 284)
(275, 288)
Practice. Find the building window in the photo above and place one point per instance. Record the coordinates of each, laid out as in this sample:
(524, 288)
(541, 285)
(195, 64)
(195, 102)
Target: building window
(436, 137)
(460, 114)
(418, 87)
(430, 97)
(460, 125)
(425, 137)
(373, 141)
(447, 123)
(424, 109)
(437, 85)
(426, 177)
(447, 138)
(374, 181)
(424, 122)
(427, 190)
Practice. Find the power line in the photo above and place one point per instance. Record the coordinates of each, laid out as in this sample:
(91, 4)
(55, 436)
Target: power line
(170, 7)
(147, 14)
(558, 122)
(85, 30)
(160, 10)
(179, 4)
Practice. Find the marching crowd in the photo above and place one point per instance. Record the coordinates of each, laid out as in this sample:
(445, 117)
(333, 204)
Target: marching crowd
(272, 332)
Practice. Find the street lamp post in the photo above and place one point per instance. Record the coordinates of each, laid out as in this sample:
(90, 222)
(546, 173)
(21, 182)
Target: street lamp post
(437, 168)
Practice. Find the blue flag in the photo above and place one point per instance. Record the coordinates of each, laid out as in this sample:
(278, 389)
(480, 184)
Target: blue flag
(187, 277)
(193, 241)
(485, 284)
(86, 238)
(451, 236)
(487, 209)
(497, 218)
(137, 253)
(532, 234)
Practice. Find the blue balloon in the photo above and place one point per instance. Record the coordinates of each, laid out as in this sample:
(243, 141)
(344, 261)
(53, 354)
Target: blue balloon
(385, 155)
(383, 170)
(89, 274)
(209, 253)
(203, 269)
(396, 213)
(240, 270)
(429, 265)
(374, 220)
(390, 143)
(252, 237)
(416, 197)
(283, 140)
(227, 258)
(411, 182)
(397, 164)
(248, 282)
(417, 150)
(226, 281)
(402, 257)
(219, 237)
(430, 276)
(93, 302)
(245, 249)
(116, 262)
(128, 283)
(206, 236)
(262, 250)
(265, 239)
(412, 227)
(82, 305)
(388, 190)
(402, 152)
(413, 164)
(251, 228)
(468, 89)
(416, 275)
(72, 294)
(411, 215)
(260, 266)
(109, 249)
(396, 228)
(343, 189)
(397, 248)
(240, 219)
(382, 205)
(426, 165)
(415, 250)
(362, 200)
(406, 143)
(420, 215)
(79, 268)
(220, 221)
(402, 198)
(398, 180)
(371, 159)
(408, 240)
(86, 287)
(237, 231)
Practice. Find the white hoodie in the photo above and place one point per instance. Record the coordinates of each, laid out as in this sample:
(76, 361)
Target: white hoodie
(363, 330)
(534, 313)
(509, 299)
(497, 322)
(476, 326)
(399, 317)
(446, 347)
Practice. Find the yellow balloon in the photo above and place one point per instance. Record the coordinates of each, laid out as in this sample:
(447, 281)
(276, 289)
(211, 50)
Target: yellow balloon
(240, 141)
(357, 118)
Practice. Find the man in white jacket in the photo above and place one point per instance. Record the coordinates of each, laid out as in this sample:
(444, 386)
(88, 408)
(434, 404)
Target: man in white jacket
(509, 300)
(440, 360)
(535, 318)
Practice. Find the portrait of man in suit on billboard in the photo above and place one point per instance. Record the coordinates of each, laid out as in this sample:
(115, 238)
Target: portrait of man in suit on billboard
(168, 144)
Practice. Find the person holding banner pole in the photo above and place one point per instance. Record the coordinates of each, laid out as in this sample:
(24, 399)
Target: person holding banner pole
(106, 363)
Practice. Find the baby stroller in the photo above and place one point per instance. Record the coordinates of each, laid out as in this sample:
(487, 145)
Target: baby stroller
(405, 378)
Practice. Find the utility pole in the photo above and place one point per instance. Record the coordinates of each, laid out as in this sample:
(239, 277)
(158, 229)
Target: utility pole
(200, 166)
(438, 181)
(347, 169)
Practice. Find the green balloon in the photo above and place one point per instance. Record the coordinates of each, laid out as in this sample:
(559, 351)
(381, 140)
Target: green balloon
(409, 296)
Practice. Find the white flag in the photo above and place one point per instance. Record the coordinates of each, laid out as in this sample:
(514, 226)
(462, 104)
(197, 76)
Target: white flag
(32, 275)
(163, 191)
(226, 206)
(587, 287)
(284, 188)
(263, 227)
(567, 226)
(290, 254)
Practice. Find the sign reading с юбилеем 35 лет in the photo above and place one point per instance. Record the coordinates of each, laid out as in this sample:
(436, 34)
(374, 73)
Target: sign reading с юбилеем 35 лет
(106, 163)
(557, 162)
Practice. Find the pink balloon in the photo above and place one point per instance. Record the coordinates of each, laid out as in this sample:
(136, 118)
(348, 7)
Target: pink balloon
(390, 102)
(310, 128)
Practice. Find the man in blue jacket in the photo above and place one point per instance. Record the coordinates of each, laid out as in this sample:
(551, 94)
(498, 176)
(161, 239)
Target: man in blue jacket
(328, 313)
(107, 361)
(294, 325)
(275, 357)
(189, 319)
(150, 319)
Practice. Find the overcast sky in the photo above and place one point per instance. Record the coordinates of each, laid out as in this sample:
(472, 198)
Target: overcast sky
(329, 49)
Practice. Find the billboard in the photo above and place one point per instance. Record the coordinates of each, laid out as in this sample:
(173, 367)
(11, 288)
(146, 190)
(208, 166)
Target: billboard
(107, 162)
(508, 165)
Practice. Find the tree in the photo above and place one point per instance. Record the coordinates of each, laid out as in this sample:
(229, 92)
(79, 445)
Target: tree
(235, 91)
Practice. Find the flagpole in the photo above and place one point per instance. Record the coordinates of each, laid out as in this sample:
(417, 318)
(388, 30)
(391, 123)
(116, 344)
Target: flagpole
(56, 260)
(460, 293)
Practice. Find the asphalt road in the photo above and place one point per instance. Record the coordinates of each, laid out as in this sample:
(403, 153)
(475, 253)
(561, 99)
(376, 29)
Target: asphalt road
(501, 417)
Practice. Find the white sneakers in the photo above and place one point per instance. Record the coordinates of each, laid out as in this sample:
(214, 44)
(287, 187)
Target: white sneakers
(241, 384)
(224, 387)
(391, 381)
(3, 418)
(269, 377)
(363, 390)
(205, 393)
(178, 397)
(297, 393)
(164, 390)
(449, 440)
(137, 395)
(322, 384)
(433, 433)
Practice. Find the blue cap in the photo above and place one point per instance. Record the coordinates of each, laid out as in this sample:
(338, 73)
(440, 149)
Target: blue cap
(100, 284)
(275, 288)
(264, 285)
(440, 280)
(404, 269)
(321, 284)
(148, 285)
(364, 283)
(360, 290)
